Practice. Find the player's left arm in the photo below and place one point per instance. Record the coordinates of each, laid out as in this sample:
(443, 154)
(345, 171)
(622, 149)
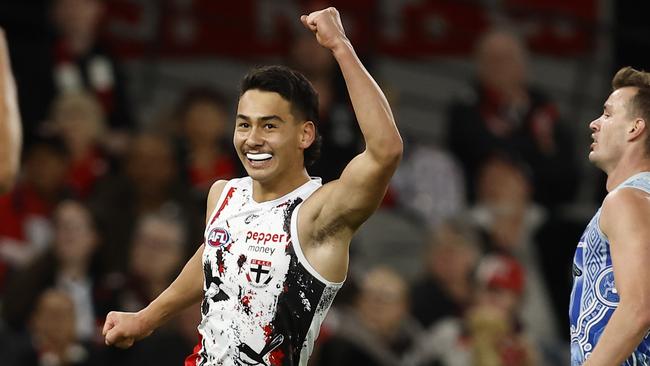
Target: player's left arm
(346, 203)
(10, 127)
(624, 219)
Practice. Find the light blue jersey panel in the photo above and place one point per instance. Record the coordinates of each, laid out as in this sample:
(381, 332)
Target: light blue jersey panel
(594, 296)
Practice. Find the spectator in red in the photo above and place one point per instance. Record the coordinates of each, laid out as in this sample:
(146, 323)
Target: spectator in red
(25, 212)
(489, 332)
(204, 132)
(81, 63)
(79, 120)
(504, 114)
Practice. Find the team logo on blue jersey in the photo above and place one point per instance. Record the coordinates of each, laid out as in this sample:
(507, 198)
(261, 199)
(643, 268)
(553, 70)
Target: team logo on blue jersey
(605, 289)
(218, 237)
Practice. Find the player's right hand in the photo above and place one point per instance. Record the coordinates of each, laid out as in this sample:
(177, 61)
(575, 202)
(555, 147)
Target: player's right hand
(123, 329)
(327, 26)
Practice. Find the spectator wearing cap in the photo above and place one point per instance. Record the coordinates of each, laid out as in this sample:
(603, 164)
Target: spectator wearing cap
(509, 221)
(489, 333)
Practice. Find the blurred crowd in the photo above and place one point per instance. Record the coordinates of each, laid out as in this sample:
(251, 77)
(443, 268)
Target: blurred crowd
(467, 262)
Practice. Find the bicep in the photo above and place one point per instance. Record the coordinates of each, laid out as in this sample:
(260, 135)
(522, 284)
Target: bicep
(625, 224)
(352, 198)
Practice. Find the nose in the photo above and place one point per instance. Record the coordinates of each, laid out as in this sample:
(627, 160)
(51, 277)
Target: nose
(595, 125)
(255, 137)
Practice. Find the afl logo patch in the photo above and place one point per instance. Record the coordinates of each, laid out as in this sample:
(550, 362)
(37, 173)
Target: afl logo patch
(218, 237)
(605, 288)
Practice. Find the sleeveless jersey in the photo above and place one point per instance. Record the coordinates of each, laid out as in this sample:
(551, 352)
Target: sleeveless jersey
(594, 297)
(263, 302)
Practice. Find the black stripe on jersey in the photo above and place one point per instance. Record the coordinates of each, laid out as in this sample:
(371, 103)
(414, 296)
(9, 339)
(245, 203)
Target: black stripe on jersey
(296, 308)
(288, 212)
(296, 305)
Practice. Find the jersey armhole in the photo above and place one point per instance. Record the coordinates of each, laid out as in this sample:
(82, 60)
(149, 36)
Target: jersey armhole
(599, 230)
(295, 242)
(622, 186)
(222, 196)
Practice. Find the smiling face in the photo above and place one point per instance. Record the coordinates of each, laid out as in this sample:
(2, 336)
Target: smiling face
(609, 131)
(269, 139)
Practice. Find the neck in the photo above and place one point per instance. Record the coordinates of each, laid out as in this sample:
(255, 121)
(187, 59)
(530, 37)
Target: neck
(626, 167)
(270, 190)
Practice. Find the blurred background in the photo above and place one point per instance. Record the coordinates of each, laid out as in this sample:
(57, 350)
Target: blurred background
(127, 109)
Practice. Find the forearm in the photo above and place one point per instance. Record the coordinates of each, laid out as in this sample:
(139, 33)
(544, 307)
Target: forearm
(186, 290)
(622, 335)
(370, 105)
(10, 127)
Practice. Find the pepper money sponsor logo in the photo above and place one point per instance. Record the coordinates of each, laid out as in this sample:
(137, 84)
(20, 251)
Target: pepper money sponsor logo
(258, 241)
(218, 237)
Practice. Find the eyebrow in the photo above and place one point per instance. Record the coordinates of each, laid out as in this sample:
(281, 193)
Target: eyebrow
(263, 118)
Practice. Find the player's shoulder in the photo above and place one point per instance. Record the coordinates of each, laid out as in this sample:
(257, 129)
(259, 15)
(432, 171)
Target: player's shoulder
(217, 187)
(215, 191)
(626, 197)
(625, 203)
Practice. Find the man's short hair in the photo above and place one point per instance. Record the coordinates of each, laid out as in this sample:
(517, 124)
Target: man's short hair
(639, 104)
(294, 88)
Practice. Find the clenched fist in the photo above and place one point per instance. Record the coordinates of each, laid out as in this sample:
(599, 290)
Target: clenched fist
(123, 329)
(326, 25)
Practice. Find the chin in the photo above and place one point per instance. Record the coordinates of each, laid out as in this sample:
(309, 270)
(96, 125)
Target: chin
(259, 175)
(598, 163)
(593, 157)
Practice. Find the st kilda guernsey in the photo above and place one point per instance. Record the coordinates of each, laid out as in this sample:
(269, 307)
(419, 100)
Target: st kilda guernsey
(263, 303)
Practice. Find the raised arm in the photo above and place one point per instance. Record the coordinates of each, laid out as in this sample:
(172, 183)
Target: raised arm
(347, 202)
(624, 221)
(123, 329)
(10, 127)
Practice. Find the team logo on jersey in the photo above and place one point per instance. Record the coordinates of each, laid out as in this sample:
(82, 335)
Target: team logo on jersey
(260, 272)
(218, 237)
(605, 288)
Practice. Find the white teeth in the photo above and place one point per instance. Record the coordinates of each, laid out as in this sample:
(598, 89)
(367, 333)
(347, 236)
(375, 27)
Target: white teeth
(258, 157)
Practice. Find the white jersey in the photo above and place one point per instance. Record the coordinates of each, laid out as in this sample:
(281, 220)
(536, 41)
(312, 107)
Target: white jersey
(263, 303)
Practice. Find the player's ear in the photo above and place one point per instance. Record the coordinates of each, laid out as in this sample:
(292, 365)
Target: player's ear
(307, 134)
(637, 128)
